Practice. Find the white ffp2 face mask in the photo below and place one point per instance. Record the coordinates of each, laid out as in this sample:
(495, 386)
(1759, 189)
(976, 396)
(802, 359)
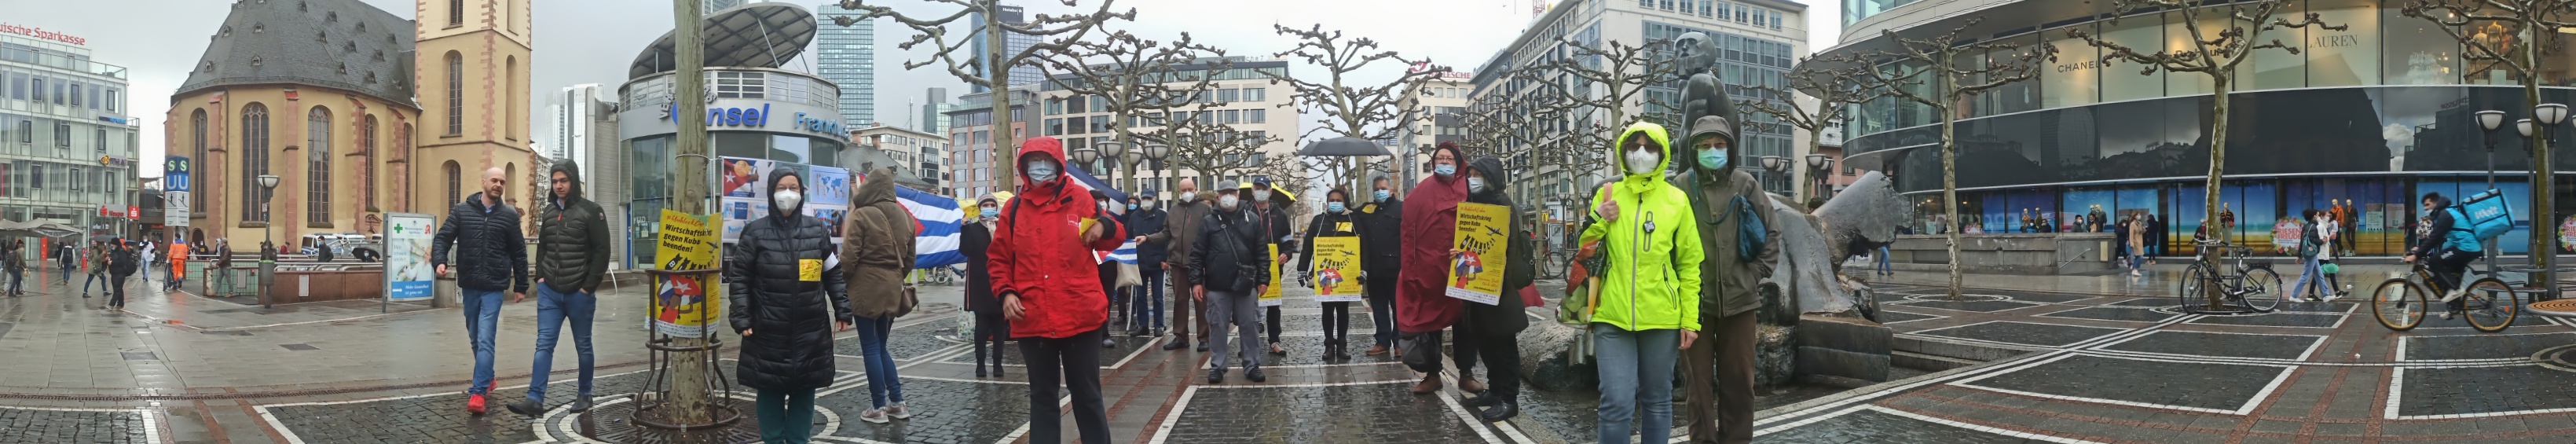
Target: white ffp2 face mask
(1228, 201)
(787, 200)
(1475, 184)
(1642, 161)
(1040, 170)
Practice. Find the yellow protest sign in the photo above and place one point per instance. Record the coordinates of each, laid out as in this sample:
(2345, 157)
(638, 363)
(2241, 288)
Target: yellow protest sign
(809, 270)
(1481, 232)
(686, 243)
(1270, 297)
(1336, 263)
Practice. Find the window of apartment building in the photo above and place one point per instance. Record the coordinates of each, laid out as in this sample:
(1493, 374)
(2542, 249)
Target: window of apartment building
(1075, 103)
(75, 93)
(26, 131)
(1686, 7)
(36, 175)
(62, 135)
(1775, 21)
(111, 100)
(1099, 104)
(102, 140)
(18, 86)
(1664, 5)
(1054, 127)
(1100, 124)
(1227, 95)
(1054, 106)
(1255, 94)
(76, 178)
(1256, 116)
(1074, 124)
(1706, 7)
(40, 89)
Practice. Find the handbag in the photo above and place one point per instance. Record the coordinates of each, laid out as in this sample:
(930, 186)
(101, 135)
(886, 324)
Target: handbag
(1420, 352)
(911, 299)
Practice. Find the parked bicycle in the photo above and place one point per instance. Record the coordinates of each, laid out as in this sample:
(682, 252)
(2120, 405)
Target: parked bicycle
(2252, 285)
(2489, 305)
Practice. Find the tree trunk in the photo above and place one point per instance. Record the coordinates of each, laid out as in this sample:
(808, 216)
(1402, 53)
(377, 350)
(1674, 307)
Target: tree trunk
(1004, 147)
(2543, 180)
(1950, 196)
(689, 384)
(2217, 166)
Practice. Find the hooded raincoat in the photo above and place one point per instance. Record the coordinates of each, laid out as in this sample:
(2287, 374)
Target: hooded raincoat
(1650, 283)
(879, 235)
(1038, 252)
(1422, 303)
(1504, 318)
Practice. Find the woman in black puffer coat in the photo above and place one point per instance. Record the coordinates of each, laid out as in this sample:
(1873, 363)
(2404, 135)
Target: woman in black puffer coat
(975, 240)
(787, 296)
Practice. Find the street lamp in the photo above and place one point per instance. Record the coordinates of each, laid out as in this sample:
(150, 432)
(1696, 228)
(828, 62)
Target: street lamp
(2489, 121)
(268, 250)
(1821, 164)
(1154, 153)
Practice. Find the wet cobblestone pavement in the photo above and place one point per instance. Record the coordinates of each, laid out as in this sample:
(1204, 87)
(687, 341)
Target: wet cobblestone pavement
(943, 412)
(35, 426)
(435, 418)
(909, 341)
(1365, 413)
(1883, 427)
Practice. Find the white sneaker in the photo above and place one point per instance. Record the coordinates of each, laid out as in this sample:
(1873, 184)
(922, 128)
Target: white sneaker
(2330, 298)
(2446, 315)
(875, 415)
(2453, 294)
(2297, 299)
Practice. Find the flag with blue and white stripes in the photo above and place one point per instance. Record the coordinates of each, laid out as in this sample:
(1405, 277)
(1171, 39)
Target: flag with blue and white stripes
(936, 220)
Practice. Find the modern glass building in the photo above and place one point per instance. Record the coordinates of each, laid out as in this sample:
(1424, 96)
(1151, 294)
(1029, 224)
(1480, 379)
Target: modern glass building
(763, 112)
(847, 56)
(67, 136)
(2366, 118)
(1014, 43)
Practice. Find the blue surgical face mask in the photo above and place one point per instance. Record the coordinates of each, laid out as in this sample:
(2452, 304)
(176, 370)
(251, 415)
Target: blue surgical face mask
(1445, 170)
(1382, 195)
(1335, 206)
(1712, 159)
(990, 212)
(1131, 207)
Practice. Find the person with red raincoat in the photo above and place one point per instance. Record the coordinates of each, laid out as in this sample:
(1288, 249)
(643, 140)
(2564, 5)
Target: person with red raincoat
(1040, 260)
(1422, 305)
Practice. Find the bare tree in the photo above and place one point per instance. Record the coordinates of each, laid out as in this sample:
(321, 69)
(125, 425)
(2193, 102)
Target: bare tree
(1206, 148)
(1834, 93)
(1934, 62)
(1134, 76)
(951, 52)
(2519, 18)
(1622, 72)
(1350, 109)
(2211, 52)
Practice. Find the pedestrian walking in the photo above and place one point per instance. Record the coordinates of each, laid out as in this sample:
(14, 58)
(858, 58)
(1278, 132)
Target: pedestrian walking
(975, 240)
(121, 264)
(1143, 221)
(1048, 233)
(2331, 230)
(1491, 332)
(1230, 271)
(1336, 220)
(2137, 231)
(2311, 273)
(1273, 222)
(1726, 201)
(491, 257)
(223, 269)
(1423, 305)
(98, 255)
(879, 234)
(15, 251)
(572, 261)
(147, 256)
(1178, 242)
(69, 257)
(1381, 226)
(1649, 306)
(788, 295)
(178, 267)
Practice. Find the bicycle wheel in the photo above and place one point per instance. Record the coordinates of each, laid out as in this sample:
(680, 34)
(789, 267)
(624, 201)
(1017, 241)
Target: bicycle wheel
(2398, 304)
(2491, 305)
(2261, 288)
(1553, 266)
(2188, 292)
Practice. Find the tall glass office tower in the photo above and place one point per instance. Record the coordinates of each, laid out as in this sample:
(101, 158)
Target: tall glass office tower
(849, 59)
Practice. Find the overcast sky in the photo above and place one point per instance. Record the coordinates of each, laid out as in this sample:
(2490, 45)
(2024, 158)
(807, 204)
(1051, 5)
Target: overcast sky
(591, 41)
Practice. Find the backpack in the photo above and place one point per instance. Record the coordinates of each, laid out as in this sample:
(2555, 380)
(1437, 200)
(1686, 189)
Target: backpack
(2485, 215)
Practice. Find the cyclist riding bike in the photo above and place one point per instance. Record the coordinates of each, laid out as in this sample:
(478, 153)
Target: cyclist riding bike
(2448, 248)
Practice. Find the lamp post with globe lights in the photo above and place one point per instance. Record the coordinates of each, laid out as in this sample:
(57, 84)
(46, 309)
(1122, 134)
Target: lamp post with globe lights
(1822, 165)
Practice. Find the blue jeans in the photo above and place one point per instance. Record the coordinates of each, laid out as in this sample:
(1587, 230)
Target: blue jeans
(1148, 303)
(882, 381)
(482, 320)
(2311, 276)
(786, 416)
(100, 277)
(553, 308)
(1882, 260)
(1636, 367)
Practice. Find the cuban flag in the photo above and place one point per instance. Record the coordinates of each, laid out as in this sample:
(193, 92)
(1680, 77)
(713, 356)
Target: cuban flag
(936, 220)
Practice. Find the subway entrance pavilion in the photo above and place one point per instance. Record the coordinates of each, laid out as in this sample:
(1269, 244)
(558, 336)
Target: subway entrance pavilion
(2374, 116)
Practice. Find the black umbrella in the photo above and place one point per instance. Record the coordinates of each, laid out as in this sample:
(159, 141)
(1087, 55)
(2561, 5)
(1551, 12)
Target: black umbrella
(1343, 147)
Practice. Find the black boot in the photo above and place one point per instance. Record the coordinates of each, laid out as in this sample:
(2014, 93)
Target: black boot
(582, 404)
(1500, 411)
(1177, 344)
(1488, 398)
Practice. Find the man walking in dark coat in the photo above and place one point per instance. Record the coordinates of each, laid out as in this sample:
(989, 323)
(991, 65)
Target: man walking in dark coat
(1380, 223)
(491, 257)
(1178, 241)
(572, 260)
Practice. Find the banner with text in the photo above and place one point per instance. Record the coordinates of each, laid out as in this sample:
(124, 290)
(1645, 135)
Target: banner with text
(408, 276)
(1271, 297)
(687, 243)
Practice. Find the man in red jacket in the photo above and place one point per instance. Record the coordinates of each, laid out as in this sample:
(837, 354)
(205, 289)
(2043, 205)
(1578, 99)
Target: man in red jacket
(1422, 304)
(1041, 266)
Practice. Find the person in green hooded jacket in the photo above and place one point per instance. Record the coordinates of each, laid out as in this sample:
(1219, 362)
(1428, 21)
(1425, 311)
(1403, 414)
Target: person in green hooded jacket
(1648, 309)
(1718, 369)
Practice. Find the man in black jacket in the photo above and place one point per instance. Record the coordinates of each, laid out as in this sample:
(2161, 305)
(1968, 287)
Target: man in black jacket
(1145, 220)
(572, 260)
(1231, 267)
(1380, 223)
(120, 265)
(491, 257)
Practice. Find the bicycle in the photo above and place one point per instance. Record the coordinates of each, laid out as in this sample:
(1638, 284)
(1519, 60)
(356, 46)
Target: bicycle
(2253, 286)
(2489, 305)
(1553, 266)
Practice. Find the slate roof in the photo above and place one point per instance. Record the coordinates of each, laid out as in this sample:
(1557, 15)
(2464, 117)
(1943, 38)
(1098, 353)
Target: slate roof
(343, 44)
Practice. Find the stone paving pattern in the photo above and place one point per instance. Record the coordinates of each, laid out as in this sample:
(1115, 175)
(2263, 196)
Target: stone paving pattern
(2218, 344)
(905, 342)
(2187, 384)
(2483, 346)
(2113, 314)
(62, 426)
(1376, 413)
(437, 418)
(943, 411)
(1868, 426)
(2473, 390)
(2024, 333)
